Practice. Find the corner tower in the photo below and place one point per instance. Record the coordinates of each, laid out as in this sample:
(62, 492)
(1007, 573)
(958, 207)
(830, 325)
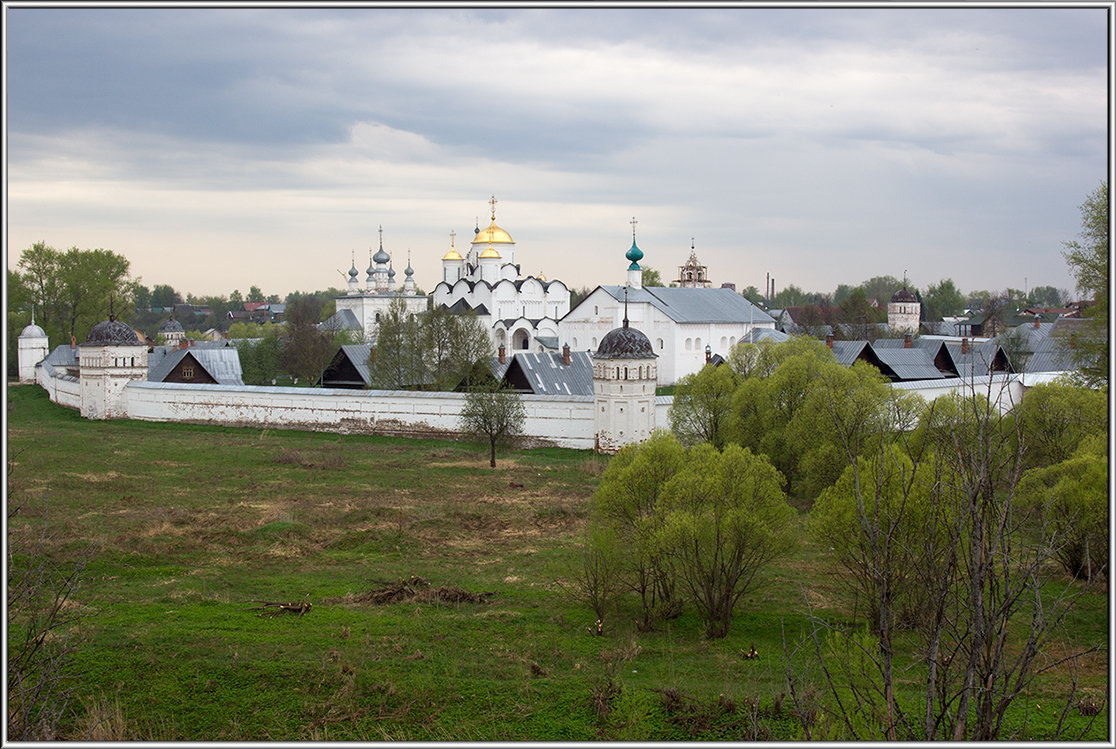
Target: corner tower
(624, 379)
(110, 358)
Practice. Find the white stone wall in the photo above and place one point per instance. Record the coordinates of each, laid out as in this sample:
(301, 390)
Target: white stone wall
(561, 421)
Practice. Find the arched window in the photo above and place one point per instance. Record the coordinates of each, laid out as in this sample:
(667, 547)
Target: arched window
(377, 317)
(660, 344)
(724, 342)
(732, 340)
(625, 373)
(697, 344)
(689, 344)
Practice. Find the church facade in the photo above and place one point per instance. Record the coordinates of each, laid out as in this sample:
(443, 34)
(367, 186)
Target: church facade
(363, 306)
(685, 325)
(520, 311)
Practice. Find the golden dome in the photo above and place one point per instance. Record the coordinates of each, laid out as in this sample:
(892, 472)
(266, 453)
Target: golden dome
(452, 255)
(541, 277)
(490, 252)
(493, 233)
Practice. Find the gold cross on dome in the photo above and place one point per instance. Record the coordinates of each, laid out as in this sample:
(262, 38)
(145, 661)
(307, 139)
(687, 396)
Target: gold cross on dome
(493, 204)
(453, 235)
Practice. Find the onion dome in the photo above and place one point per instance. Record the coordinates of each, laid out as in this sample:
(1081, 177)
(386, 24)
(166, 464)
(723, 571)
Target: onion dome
(391, 272)
(353, 272)
(624, 343)
(452, 255)
(635, 255)
(112, 331)
(904, 295)
(171, 326)
(408, 271)
(490, 252)
(381, 257)
(541, 277)
(33, 331)
(493, 233)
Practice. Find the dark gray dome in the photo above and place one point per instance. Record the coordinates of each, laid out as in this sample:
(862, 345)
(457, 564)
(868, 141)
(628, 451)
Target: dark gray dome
(171, 326)
(904, 295)
(112, 331)
(624, 343)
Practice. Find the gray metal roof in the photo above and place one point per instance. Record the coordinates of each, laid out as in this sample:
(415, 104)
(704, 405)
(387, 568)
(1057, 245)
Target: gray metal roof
(358, 354)
(846, 352)
(342, 319)
(755, 335)
(686, 305)
(546, 374)
(909, 363)
(977, 362)
(1050, 356)
(222, 363)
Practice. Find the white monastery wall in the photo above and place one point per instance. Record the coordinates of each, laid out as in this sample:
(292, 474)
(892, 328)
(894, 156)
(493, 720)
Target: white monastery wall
(560, 421)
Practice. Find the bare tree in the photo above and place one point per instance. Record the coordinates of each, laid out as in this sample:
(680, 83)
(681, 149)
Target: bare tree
(493, 413)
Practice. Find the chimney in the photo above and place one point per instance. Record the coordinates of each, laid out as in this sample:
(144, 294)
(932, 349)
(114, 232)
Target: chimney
(829, 340)
(708, 353)
(73, 342)
(501, 355)
(1037, 321)
(964, 345)
(566, 354)
(907, 340)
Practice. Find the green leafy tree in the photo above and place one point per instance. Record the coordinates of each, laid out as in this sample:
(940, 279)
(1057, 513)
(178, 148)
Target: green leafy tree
(1088, 262)
(73, 289)
(941, 300)
(725, 518)
(19, 317)
(495, 414)
(874, 519)
(1071, 499)
(861, 318)
(255, 295)
(753, 295)
(306, 348)
(141, 297)
(702, 405)
(164, 295)
(789, 296)
(627, 502)
(452, 346)
(396, 361)
(259, 359)
(1047, 296)
(882, 288)
(651, 277)
(1055, 418)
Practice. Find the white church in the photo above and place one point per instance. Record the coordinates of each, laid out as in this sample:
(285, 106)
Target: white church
(520, 311)
(687, 326)
(363, 306)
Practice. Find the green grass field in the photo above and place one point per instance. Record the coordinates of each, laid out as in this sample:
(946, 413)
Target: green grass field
(182, 526)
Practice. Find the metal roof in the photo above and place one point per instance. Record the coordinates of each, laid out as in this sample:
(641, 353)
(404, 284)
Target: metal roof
(1050, 356)
(847, 352)
(755, 335)
(547, 374)
(909, 363)
(689, 305)
(977, 362)
(358, 355)
(342, 319)
(222, 363)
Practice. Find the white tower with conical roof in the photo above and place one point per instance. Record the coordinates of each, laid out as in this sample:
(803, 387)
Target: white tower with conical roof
(33, 348)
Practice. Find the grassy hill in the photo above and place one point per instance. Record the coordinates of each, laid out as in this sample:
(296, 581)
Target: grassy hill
(440, 603)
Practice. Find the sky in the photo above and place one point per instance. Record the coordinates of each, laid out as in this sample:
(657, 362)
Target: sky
(219, 148)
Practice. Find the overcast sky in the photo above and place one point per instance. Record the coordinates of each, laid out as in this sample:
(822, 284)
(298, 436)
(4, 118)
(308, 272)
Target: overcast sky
(218, 148)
